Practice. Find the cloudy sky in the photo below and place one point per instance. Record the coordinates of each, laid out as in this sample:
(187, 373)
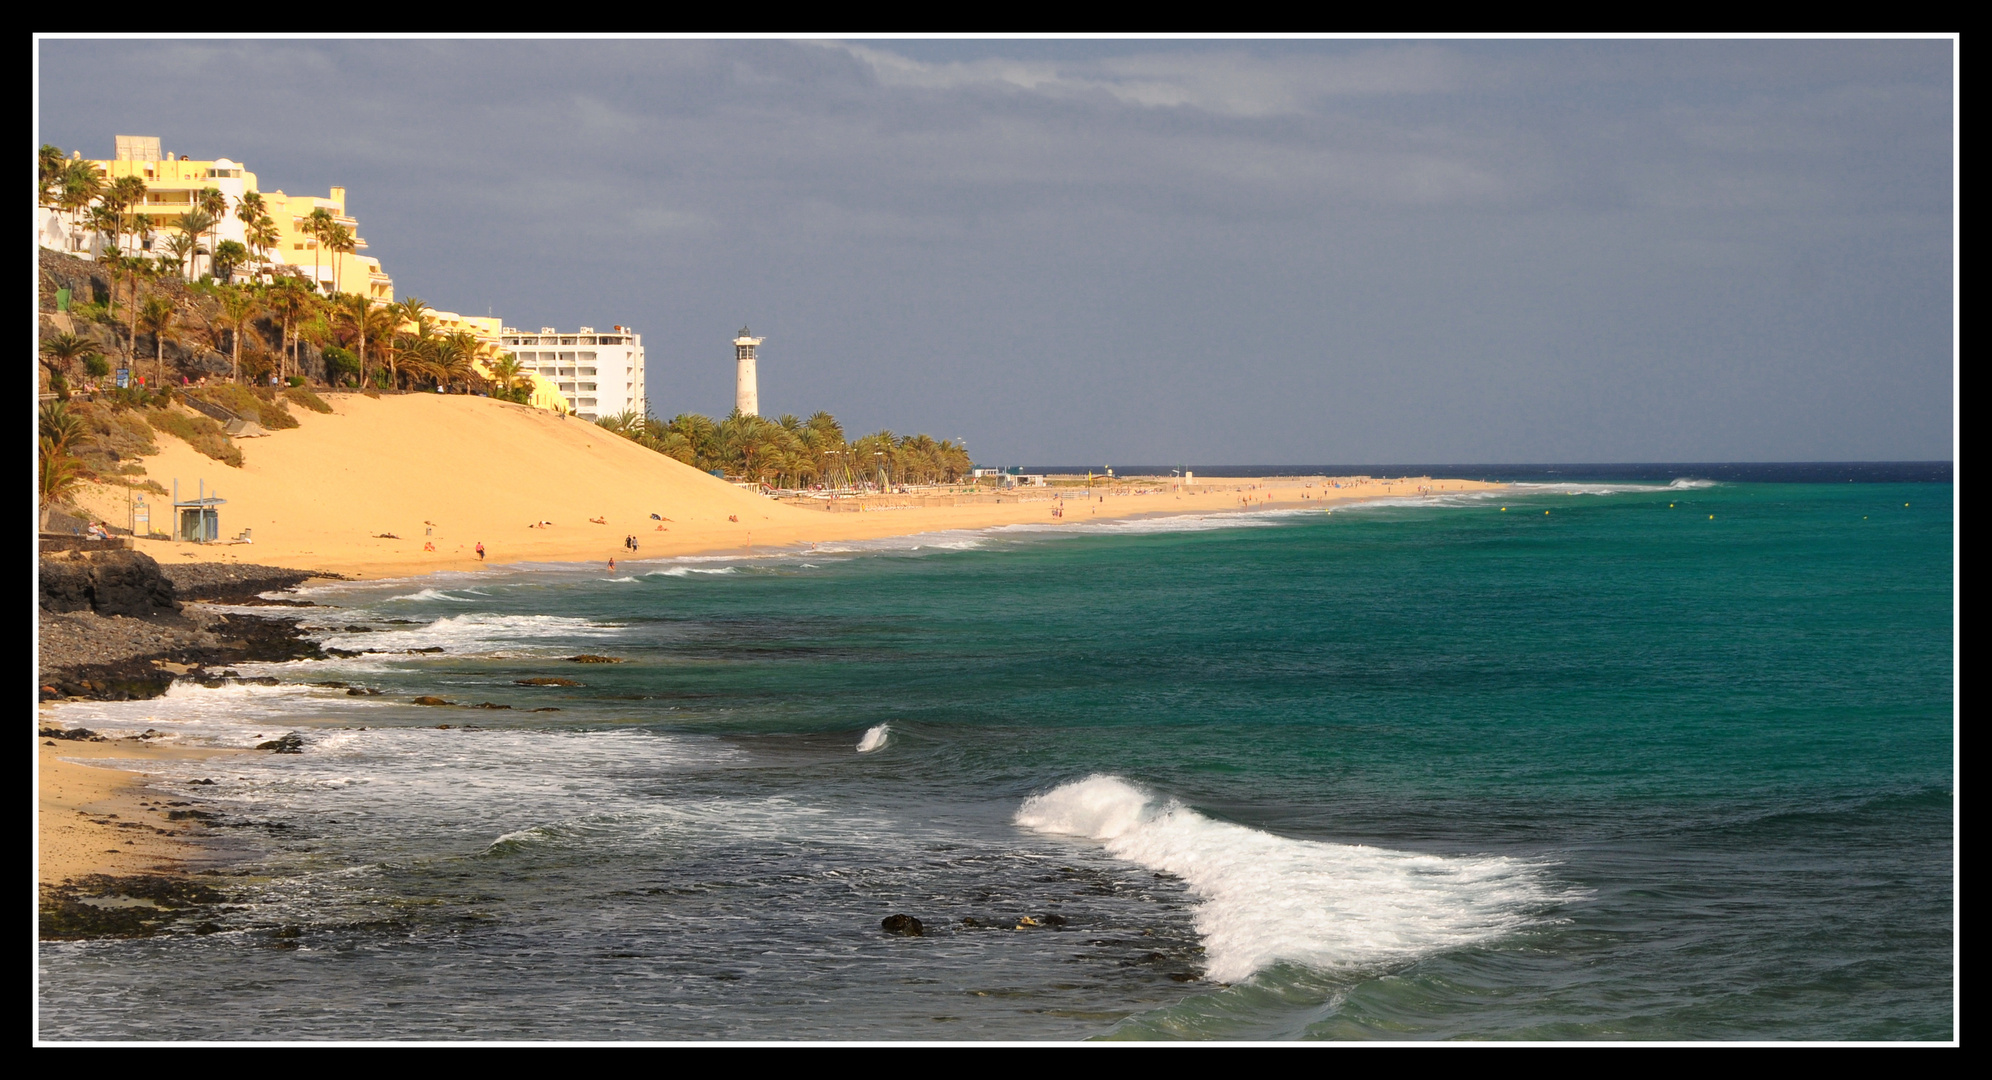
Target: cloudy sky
(1149, 252)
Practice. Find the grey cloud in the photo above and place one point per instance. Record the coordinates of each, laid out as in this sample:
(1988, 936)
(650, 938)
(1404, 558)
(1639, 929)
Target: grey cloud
(1241, 251)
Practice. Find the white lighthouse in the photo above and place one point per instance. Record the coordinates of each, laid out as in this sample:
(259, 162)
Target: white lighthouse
(746, 389)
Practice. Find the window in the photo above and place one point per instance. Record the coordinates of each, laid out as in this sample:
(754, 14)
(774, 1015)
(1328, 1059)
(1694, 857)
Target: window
(567, 358)
(587, 371)
(587, 357)
(588, 387)
(567, 388)
(567, 371)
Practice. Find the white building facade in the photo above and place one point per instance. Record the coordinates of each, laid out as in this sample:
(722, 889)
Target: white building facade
(600, 374)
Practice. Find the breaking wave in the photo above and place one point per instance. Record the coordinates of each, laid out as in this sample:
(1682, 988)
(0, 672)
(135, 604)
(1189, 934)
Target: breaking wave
(1268, 899)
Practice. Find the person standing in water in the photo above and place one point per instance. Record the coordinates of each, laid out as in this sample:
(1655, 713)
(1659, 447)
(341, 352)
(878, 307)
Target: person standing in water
(612, 563)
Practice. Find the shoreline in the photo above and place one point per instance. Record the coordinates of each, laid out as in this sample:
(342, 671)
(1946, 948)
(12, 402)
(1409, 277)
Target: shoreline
(403, 485)
(114, 856)
(97, 824)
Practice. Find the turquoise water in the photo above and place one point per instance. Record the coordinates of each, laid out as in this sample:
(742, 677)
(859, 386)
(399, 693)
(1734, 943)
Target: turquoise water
(1660, 763)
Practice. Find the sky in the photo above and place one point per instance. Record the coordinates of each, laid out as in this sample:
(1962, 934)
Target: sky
(1217, 252)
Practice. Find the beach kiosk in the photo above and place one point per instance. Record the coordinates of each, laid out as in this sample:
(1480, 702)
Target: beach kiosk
(196, 519)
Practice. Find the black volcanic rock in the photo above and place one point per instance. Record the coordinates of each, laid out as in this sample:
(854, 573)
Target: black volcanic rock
(114, 582)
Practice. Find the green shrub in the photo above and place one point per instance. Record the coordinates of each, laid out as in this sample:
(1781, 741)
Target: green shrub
(261, 405)
(309, 400)
(89, 312)
(199, 432)
(132, 397)
(340, 364)
(95, 366)
(295, 380)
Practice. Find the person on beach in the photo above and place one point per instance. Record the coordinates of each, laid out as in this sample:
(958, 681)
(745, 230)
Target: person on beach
(612, 563)
(480, 551)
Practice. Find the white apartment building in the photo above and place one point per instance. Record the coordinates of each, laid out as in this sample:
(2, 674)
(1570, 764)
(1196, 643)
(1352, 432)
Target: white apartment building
(600, 374)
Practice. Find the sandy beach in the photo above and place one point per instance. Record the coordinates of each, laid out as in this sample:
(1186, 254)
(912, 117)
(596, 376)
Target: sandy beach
(410, 484)
(102, 818)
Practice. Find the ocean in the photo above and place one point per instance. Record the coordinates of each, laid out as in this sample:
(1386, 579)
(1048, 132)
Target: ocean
(1629, 756)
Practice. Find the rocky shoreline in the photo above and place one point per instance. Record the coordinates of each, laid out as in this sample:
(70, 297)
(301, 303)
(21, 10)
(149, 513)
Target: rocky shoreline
(116, 625)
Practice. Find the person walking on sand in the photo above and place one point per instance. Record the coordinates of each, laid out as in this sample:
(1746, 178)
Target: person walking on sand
(480, 551)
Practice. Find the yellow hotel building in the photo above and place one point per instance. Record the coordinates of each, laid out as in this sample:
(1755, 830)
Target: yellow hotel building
(173, 183)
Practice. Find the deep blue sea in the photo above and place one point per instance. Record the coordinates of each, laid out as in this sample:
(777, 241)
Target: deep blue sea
(1663, 755)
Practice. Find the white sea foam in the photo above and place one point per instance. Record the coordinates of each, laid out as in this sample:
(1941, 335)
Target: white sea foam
(618, 579)
(687, 571)
(1268, 899)
(487, 633)
(874, 738)
(939, 540)
(1605, 489)
(431, 594)
(1685, 483)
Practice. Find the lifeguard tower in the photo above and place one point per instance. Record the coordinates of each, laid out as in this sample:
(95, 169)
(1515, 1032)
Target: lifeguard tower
(196, 519)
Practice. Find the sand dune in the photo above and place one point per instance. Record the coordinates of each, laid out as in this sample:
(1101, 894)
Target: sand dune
(450, 472)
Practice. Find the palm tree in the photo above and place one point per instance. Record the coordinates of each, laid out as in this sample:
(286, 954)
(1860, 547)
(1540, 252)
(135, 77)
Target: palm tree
(507, 372)
(182, 247)
(414, 311)
(123, 198)
(263, 236)
(290, 298)
(82, 184)
(318, 225)
(410, 310)
(454, 353)
(628, 423)
(214, 204)
(238, 307)
(876, 456)
(227, 256)
(700, 435)
(139, 269)
(192, 226)
(340, 241)
(49, 164)
(58, 474)
(250, 209)
(62, 350)
(61, 428)
(381, 324)
(160, 317)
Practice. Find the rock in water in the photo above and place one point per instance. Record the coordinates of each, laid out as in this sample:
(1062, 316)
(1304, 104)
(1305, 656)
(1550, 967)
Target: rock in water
(292, 743)
(903, 925)
(430, 699)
